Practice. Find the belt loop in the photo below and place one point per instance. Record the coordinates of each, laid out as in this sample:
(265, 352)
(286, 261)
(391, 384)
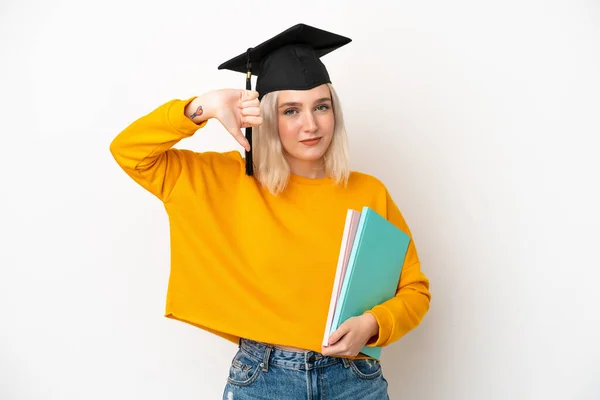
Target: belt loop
(346, 362)
(267, 356)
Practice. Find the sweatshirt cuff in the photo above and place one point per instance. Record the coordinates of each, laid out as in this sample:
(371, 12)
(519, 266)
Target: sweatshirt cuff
(385, 322)
(178, 120)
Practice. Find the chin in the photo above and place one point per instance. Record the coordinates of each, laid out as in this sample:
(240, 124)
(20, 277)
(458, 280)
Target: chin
(313, 155)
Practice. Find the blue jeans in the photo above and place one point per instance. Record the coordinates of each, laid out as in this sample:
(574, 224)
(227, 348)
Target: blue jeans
(261, 371)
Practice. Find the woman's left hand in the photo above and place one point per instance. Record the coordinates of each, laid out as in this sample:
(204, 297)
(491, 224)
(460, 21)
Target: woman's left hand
(351, 336)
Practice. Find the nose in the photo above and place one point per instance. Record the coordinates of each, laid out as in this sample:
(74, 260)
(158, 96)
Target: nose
(310, 124)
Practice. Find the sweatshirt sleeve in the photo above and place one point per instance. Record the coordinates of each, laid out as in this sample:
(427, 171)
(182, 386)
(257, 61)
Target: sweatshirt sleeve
(404, 312)
(144, 149)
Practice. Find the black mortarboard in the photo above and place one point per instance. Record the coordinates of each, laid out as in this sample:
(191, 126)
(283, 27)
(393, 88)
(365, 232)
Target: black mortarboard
(288, 61)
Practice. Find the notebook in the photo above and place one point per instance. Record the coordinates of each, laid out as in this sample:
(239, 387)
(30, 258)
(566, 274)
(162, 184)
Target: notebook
(370, 261)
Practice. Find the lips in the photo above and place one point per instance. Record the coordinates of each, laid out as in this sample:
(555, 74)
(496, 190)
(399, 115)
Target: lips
(311, 141)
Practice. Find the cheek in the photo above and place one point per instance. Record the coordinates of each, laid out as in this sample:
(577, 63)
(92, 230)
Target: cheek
(327, 123)
(287, 128)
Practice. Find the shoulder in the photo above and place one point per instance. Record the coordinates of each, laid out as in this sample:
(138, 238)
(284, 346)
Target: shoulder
(363, 181)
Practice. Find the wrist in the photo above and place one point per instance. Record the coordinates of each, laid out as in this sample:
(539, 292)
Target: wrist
(199, 109)
(372, 324)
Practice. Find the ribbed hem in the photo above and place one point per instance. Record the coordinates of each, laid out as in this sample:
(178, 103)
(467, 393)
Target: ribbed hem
(386, 325)
(178, 120)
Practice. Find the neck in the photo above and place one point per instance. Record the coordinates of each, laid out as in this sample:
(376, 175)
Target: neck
(307, 169)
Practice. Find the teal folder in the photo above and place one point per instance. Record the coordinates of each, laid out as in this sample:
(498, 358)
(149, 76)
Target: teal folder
(373, 269)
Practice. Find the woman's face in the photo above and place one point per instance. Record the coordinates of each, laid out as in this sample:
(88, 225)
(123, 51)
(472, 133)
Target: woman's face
(306, 123)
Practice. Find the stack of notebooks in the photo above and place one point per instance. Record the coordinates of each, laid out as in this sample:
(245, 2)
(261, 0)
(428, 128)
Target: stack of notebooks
(370, 263)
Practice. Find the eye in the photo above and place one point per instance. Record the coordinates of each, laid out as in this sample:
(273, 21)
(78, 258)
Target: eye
(290, 111)
(322, 107)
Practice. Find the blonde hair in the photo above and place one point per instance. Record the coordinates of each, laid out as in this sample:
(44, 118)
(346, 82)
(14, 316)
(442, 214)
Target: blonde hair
(270, 166)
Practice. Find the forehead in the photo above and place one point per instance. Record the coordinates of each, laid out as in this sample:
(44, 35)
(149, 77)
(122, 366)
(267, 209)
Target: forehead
(304, 96)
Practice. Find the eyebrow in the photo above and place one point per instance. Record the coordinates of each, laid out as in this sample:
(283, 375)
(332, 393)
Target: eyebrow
(296, 104)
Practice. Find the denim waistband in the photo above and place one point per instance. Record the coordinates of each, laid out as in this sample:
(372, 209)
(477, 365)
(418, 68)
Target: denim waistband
(271, 355)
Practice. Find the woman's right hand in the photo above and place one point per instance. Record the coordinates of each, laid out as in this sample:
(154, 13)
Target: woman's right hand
(234, 108)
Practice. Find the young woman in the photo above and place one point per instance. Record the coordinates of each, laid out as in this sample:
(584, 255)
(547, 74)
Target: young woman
(254, 250)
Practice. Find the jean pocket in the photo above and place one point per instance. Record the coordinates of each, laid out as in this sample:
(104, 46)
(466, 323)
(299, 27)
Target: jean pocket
(244, 369)
(366, 368)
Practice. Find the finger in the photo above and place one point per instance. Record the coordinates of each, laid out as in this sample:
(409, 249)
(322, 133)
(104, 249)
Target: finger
(249, 103)
(249, 95)
(326, 351)
(339, 349)
(251, 121)
(339, 333)
(329, 350)
(251, 111)
(240, 138)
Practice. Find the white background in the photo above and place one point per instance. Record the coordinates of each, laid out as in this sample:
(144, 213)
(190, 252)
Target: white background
(482, 118)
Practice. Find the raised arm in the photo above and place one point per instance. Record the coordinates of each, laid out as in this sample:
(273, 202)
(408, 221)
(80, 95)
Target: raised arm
(144, 150)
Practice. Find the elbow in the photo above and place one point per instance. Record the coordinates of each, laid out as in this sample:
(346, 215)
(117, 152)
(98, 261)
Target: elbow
(115, 151)
(114, 147)
(418, 300)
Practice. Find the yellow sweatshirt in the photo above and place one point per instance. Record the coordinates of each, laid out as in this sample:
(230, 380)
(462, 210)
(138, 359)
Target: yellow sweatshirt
(245, 263)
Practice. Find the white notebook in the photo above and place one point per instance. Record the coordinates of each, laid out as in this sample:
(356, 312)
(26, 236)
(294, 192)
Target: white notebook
(350, 227)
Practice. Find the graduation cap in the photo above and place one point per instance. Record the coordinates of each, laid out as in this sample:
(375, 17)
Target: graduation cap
(288, 61)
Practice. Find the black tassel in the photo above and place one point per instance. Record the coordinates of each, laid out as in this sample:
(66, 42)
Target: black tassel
(249, 163)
